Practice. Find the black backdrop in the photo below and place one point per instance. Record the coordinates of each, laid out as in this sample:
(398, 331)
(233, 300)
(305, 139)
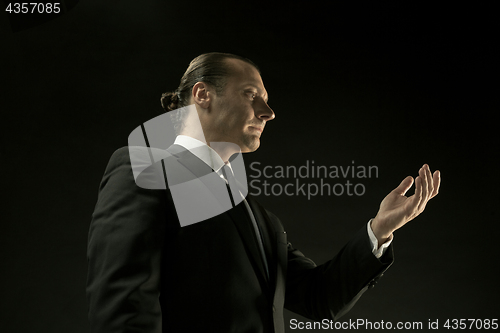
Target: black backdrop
(392, 86)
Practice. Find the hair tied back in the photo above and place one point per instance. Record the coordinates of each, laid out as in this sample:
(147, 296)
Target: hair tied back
(170, 100)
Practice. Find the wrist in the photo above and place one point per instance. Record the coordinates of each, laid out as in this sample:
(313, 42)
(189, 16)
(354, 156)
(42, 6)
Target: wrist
(380, 231)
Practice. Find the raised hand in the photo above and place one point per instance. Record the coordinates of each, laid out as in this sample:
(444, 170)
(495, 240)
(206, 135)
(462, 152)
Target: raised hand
(396, 209)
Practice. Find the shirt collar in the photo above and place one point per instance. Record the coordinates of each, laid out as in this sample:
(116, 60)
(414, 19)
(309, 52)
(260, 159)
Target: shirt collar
(202, 151)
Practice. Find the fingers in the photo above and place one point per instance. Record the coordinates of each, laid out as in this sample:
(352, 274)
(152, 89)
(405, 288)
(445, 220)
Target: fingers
(437, 182)
(425, 189)
(418, 187)
(428, 180)
(418, 190)
(404, 186)
(430, 184)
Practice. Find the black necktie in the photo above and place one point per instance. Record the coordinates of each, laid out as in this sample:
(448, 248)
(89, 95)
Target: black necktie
(232, 185)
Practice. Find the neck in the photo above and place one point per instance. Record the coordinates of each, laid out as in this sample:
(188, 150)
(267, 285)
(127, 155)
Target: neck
(225, 149)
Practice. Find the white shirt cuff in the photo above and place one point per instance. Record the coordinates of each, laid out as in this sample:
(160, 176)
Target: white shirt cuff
(377, 251)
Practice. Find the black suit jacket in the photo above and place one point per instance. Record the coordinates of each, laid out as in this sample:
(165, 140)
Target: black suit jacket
(148, 274)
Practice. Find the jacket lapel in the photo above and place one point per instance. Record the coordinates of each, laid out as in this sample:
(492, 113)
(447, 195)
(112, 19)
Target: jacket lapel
(241, 220)
(276, 245)
(268, 239)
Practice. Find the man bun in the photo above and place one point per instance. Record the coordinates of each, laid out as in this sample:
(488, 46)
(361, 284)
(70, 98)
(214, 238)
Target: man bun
(170, 100)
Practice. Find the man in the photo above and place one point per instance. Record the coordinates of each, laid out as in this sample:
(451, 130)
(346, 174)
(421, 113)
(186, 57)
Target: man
(235, 271)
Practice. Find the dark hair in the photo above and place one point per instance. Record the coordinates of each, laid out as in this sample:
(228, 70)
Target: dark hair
(210, 68)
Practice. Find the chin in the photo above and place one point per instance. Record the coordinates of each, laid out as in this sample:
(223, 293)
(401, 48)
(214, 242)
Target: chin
(249, 143)
(249, 147)
(254, 146)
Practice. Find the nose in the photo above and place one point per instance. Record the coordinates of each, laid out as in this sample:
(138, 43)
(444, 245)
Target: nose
(263, 111)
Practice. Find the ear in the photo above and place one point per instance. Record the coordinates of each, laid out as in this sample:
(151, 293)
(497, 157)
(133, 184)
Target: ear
(202, 95)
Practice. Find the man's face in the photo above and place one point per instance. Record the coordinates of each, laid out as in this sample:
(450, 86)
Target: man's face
(240, 114)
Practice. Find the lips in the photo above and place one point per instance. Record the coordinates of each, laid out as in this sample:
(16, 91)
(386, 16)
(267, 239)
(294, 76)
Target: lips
(260, 129)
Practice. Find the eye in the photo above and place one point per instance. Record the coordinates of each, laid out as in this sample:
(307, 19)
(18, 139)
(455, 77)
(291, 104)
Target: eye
(251, 94)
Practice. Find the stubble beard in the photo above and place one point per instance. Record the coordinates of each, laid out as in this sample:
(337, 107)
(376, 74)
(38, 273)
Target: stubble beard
(251, 143)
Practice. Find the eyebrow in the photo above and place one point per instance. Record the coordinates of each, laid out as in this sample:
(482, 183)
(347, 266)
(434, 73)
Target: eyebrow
(258, 89)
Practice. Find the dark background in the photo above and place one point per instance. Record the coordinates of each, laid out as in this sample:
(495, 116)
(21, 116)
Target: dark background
(382, 84)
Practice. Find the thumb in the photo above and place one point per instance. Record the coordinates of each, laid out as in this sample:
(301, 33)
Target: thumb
(404, 186)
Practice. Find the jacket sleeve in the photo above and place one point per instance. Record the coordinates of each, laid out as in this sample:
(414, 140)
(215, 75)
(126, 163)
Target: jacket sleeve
(124, 252)
(330, 290)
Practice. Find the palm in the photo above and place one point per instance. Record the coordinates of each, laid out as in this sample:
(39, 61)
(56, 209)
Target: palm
(396, 209)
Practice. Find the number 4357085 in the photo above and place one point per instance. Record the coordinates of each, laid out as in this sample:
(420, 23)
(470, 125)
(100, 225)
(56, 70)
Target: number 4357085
(33, 7)
(471, 324)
